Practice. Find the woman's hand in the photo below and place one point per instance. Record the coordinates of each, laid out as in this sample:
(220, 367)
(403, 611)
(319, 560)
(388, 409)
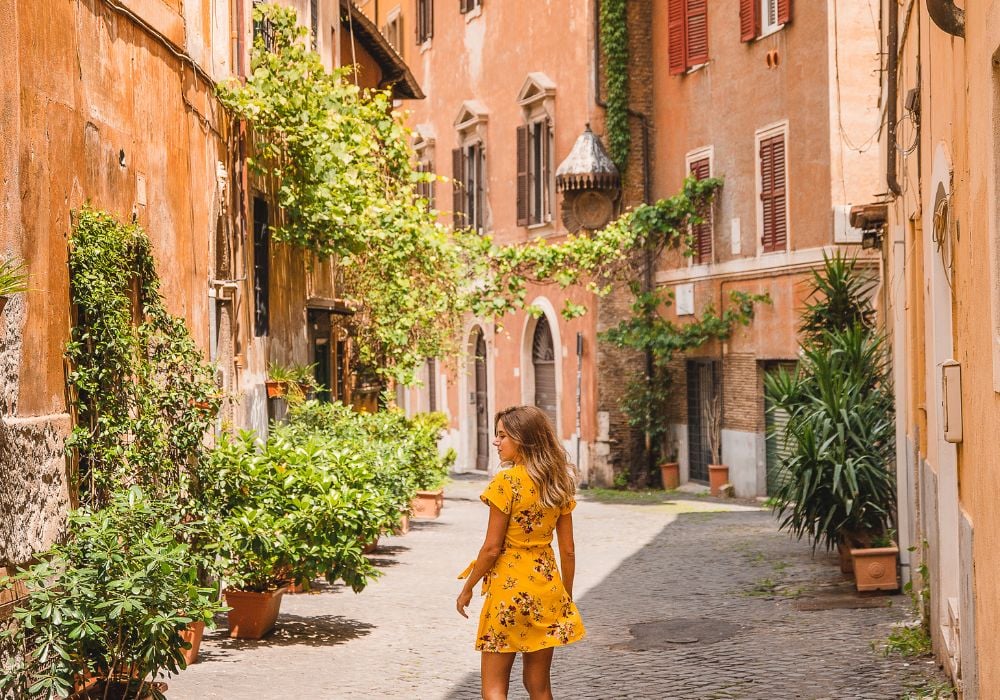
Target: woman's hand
(464, 598)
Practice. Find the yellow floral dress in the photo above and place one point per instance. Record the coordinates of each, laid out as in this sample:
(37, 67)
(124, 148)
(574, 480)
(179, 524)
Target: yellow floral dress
(526, 607)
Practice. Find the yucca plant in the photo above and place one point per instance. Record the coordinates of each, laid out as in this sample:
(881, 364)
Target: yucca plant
(840, 481)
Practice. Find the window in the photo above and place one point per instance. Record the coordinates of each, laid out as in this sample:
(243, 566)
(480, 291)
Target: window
(468, 166)
(425, 20)
(261, 265)
(263, 30)
(534, 173)
(425, 190)
(314, 18)
(423, 147)
(687, 32)
(393, 30)
(700, 167)
(759, 18)
(465, 6)
(773, 190)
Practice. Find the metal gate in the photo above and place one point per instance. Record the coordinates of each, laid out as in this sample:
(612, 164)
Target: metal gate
(702, 379)
(543, 359)
(775, 420)
(482, 409)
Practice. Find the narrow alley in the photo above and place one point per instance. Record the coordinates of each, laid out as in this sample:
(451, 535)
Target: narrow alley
(683, 597)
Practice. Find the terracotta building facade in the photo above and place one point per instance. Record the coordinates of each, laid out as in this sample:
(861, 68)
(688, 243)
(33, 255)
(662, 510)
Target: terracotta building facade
(781, 101)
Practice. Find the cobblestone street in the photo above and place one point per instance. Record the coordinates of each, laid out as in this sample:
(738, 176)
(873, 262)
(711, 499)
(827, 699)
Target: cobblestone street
(686, 598)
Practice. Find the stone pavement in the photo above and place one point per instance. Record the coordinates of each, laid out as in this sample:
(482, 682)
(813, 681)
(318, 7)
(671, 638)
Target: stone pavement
(687, 598)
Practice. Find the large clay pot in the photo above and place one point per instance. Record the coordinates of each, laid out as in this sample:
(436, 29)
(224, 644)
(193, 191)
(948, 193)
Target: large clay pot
(670, 473)
(427, 504)
(875, 568)
(253, 614)
(718, 476)
(370, 547)
(96, 690)
(403, 527)
(193, 634)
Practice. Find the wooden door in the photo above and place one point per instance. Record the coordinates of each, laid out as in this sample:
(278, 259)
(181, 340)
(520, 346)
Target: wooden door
(778, 450)
(543, 360)
(482, 408)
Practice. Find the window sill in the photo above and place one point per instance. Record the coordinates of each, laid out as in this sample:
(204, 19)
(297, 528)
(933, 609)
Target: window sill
(695, 69)
(768, 32)
(426, 46)
(542, 230)
(472, 14)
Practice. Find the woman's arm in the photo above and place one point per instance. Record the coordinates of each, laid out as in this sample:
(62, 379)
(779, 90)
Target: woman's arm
(496, 531)
(567, 551)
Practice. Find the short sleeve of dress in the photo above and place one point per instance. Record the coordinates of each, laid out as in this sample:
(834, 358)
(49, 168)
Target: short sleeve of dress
(568, 508)
(500, 492)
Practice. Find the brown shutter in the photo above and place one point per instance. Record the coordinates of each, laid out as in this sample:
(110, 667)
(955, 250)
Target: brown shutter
(697, 32)
(523, 195)
(702, 233)
(429, 30)
(784, 11)
(458, 184)
(547, 171)
(749, 19)
(773, 194)
(676, 24)
(480, 160)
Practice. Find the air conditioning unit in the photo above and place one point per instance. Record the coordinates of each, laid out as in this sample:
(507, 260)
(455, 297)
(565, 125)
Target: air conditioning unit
(843, 232)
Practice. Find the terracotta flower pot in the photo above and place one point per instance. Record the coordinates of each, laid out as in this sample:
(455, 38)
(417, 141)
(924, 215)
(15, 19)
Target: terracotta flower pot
(370, 547)
(297, 587)
(670, 473)
(253, 614)
(192, 634)
(427, 504)
(875, 568)
(845, 558)
(718, 476)
(403, 527)
(96, 690)
(275, 390)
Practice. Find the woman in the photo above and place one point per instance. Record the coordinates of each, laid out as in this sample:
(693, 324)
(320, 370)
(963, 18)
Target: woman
(528, 608)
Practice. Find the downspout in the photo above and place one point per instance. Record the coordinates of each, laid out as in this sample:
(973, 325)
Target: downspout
(947, 16)
(892, 88)
(648, 262)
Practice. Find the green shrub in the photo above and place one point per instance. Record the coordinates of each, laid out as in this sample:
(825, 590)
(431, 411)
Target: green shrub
(111, 602)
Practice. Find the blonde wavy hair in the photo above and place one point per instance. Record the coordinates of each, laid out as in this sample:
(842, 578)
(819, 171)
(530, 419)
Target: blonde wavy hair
(542, 455)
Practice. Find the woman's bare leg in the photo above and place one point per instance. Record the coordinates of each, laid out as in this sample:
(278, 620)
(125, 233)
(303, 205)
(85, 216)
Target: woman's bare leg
(496, 674)
(536, 673)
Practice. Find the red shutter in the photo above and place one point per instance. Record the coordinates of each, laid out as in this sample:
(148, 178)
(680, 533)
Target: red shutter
(458, 182)
(749, 19)
(784, 11)
(522, 176)
(697, 32)
(773, 194)
(702, 233)
(676, 29)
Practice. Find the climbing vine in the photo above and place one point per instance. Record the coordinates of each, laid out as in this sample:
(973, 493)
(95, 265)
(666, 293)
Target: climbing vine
(142, 394)
(614, 42)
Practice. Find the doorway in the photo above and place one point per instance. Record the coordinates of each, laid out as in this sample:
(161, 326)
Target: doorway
(543, 361)
(482, 407)
(702, 383)
(777, 447)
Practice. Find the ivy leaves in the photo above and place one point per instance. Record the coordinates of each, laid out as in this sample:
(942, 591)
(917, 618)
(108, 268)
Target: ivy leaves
(614, 40)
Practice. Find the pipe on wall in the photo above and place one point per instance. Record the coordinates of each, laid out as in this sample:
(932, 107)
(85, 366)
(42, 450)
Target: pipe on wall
(892, 88)
(947, 16)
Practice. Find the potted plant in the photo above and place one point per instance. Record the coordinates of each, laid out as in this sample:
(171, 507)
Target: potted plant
(13, 280)
(430, 469)
(875, 566)
(718, 473)
(294, 508)
(840, 485)
(105, 611)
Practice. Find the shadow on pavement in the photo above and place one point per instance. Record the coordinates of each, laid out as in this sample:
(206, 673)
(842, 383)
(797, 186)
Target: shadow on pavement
(312, 630)
(712, 607)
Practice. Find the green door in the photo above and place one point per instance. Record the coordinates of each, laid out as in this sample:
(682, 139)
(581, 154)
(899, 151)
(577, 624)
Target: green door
(775, 420)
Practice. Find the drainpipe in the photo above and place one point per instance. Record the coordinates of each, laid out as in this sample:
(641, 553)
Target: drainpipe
(892, 88)
(947, 17)
(648, 261)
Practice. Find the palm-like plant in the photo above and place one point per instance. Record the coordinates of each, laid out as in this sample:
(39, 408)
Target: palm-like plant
(840, 483)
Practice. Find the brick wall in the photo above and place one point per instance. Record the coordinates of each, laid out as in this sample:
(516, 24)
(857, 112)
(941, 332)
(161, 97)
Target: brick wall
(743, 393)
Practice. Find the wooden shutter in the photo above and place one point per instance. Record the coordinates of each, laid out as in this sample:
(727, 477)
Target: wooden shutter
(523, 181)
(676, 29)
(784, 11)
(702, 233)
(773, 194)
(749, 19)
(458, 185)
(479, 158)
(547, 171)
(697, 32)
